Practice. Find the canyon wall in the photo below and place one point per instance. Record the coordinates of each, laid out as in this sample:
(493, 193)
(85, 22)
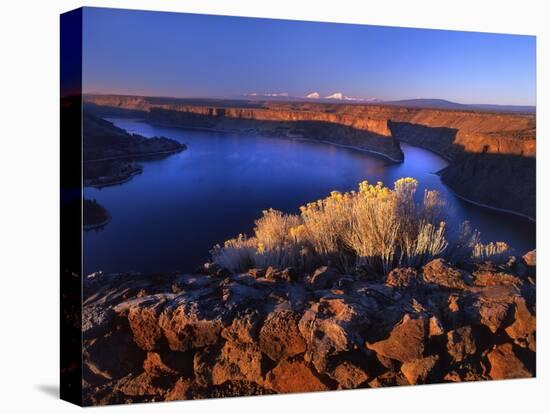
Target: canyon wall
(260, 112)
(469, 131)
(493, 168)
(491, 154)
(366, 133)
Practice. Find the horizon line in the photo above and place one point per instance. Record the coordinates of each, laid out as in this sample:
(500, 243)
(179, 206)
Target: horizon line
(278, 96)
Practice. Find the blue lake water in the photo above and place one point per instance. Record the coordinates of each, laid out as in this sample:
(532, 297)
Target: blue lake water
(170, 216)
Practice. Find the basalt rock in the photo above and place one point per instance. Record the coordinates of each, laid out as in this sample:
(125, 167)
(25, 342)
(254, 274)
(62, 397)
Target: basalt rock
(389, 379)
(324, 277)
(280, 337)
(488, 274)
(189, 323)
(406, 341)
(233, 362)
(244, 328)
(402, 277)
(418, 371)
(178, 336)
(435, 328)
(180, 390)
(505, 364)
(522, 330)
(288, 274)
(350, 375)
(112, 356)
(167, 363)
(491, 308)
(294, 376)
(143, 385)
(144, 322)
(461, 343)
(530, 258)
(331, 326)
(440, 273)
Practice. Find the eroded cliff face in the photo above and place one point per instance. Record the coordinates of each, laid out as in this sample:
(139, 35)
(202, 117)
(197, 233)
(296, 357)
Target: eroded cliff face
(497, 169)
(366, 133)
(215, 334)
(506, 182)
(491, 154)
(473, 131)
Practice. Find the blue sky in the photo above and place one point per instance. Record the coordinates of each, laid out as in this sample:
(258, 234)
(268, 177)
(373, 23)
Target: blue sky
(187, 55)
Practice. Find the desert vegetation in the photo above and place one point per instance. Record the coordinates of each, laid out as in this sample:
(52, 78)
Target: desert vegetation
(376, 227)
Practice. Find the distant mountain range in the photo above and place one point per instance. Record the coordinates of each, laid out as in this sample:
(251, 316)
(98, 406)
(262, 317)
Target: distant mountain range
(444, 104)
(338, 96)
(415, 103)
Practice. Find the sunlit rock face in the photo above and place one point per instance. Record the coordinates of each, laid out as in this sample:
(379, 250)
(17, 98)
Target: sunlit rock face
(214, 333)
(470, 131)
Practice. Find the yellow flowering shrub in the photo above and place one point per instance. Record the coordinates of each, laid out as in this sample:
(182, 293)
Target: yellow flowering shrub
(376, 226)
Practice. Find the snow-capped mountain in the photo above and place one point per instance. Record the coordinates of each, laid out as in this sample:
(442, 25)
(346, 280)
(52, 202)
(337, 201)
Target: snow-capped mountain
(413, 103)
(339, 96)
(269, 94)
(313, 95)
(336, 95)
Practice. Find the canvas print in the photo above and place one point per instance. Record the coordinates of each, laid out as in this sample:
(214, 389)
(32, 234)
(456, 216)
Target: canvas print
(258, 206)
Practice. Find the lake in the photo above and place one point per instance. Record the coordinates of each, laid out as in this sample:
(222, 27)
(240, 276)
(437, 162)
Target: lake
(170, 216)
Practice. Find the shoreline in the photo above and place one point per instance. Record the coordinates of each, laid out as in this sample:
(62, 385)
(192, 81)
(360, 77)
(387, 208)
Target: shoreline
(293, 138)
(118, 182)
(88, 227)
(487, 206)
(360, 149)
(449, 160)
(136, 156)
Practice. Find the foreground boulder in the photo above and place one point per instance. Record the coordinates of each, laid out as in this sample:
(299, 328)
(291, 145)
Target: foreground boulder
(351, 373)
(530, 258)
(294, 376)
(280, 337)
(418, 371)
(402, 277)
(233, 362)
(461, 343)
(523, 328)
(440, 273)
(332, 326)
(214, 334)
(406, 341)
(505, 364)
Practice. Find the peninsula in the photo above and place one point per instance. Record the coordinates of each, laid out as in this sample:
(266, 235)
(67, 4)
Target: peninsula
(110, 155)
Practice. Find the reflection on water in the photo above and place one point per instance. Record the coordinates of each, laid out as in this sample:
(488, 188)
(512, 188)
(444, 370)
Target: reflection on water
(170, 216)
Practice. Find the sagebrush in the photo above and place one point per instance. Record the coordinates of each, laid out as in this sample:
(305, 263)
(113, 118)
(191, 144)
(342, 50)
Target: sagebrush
(375, 227)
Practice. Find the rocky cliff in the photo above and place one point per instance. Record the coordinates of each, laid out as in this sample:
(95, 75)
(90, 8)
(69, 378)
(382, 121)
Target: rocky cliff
(109, 152)
(215, 334)
(491, 154)
(472, 131)
(494, 168)
(295, 121)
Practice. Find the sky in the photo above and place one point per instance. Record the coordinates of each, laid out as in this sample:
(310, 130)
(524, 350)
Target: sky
(190, 55)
